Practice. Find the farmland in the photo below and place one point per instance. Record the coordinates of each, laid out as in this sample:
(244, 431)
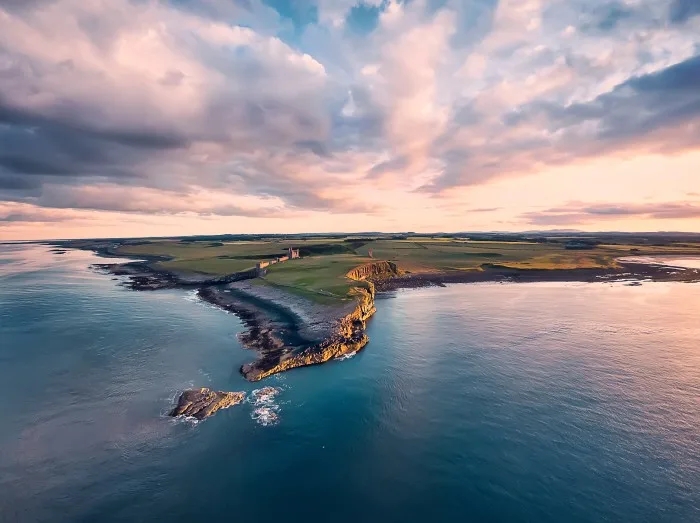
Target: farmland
(321, 272)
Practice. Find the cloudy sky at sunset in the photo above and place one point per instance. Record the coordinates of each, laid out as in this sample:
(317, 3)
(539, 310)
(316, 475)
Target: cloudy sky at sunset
(145, 117)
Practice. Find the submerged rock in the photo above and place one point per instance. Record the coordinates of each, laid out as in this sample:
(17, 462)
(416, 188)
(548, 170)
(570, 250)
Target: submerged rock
(202, 403)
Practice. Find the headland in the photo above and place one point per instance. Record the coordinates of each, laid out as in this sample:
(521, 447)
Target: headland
(306, 300)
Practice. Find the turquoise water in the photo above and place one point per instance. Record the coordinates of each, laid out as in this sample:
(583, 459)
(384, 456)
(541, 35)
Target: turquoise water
(514, 402)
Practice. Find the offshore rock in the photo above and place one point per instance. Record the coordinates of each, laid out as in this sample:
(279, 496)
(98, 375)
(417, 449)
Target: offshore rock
(265, 394)
(202, 403)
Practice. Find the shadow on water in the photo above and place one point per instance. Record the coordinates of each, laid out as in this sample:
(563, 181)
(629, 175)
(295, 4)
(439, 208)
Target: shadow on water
(286, 323)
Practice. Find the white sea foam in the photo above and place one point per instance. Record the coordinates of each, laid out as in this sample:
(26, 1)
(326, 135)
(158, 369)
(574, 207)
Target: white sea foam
(189, 420)
(192, 296)
(346, 356)
(266, 416)
(265, 407)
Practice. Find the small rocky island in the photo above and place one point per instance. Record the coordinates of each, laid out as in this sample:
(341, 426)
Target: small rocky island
(202, 403)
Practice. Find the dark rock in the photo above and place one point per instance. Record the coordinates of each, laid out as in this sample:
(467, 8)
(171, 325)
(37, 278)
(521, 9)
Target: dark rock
(202, 403)
(349, 337)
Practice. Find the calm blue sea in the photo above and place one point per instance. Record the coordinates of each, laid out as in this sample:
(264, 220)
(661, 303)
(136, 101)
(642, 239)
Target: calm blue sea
(489, 402)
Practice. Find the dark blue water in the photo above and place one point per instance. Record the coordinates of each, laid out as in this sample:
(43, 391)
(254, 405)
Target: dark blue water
(535, 402)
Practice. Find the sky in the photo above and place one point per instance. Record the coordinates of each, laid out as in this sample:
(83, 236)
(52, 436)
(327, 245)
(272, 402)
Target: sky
(175, 117)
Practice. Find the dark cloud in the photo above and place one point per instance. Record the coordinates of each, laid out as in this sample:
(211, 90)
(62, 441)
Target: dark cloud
(34, 215)
(76, 121)
(360, 128)
(315, 146)
(582, 213)
(143, 138)
(683, 10)
(684, 76)
(256, 103)
(395, 164)
(131, 201)
(280, 100)
(651, 111)
(25, 165)
(19, 184)
(37, 148)
(610, 15)
(23, 5)
(641, 106)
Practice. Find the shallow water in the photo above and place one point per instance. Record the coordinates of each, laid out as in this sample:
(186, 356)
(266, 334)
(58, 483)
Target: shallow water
(488, 402)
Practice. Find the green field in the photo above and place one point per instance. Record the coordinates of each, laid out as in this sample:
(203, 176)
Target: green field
(215, 258)
(320, 273)
(318, 277)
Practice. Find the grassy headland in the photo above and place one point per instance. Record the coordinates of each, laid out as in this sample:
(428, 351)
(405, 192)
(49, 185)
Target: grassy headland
(330, 290)
(321, 272)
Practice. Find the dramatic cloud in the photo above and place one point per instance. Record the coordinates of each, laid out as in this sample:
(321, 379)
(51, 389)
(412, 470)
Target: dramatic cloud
(265, 109)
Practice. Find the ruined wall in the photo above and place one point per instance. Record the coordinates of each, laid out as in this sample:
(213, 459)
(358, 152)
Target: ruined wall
(236, 276)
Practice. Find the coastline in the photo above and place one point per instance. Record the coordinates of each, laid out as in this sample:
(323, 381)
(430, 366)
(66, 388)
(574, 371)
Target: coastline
(288, 331)
(628, 271)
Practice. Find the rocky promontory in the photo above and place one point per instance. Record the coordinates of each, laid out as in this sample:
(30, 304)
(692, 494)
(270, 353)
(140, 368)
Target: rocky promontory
(348, 337)
(202, 403)
(335, 330)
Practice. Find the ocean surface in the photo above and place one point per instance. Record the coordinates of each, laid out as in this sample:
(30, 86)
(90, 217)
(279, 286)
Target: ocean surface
(488, 402)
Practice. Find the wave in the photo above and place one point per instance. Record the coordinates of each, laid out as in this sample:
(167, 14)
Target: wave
(266, 416)
(189, 420)
(266, 410)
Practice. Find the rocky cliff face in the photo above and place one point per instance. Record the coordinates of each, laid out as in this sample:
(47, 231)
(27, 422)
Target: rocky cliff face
(378, 270)
(349, 336)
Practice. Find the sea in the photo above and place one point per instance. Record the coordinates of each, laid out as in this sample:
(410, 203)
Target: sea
(495, 402)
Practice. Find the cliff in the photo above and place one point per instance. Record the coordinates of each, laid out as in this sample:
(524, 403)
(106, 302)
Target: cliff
(379, 270)
(348, 337)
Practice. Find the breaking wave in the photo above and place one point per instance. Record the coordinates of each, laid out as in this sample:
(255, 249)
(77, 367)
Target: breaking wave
(266, 410)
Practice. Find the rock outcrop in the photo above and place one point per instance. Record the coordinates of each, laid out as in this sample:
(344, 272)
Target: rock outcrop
(374, 271)
(349, 337)
(202, 403)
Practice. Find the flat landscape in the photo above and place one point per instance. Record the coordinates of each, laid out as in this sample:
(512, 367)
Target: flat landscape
(321, 272)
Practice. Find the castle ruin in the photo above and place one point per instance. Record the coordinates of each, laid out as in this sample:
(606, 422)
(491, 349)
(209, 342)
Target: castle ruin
(292, 255)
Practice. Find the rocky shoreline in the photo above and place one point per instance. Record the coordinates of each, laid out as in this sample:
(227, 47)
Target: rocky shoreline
(628, 271)
(348, 337)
